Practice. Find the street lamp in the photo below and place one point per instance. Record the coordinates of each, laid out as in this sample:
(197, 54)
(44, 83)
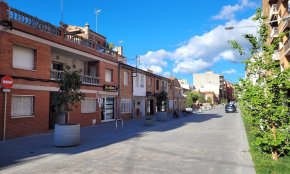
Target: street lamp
(286, 18)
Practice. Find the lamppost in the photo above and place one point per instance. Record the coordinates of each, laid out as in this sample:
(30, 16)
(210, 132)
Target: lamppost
(286, 18)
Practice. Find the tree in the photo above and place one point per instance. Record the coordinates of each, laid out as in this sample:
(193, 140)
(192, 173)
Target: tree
(209, 100)
(201, 99)
(161, 100)
(69, 94)
(263, 101)
(191, 98)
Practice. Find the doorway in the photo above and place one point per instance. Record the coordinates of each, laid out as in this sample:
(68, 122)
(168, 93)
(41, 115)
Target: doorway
(52, 110)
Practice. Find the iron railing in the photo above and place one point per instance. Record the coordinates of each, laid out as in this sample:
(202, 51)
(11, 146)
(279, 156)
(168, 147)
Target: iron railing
(86, 79)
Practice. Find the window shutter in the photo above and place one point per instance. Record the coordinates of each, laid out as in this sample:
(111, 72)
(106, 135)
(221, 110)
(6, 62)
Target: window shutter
(23, 57)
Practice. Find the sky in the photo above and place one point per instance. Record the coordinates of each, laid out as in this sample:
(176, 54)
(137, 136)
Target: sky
(171, 37)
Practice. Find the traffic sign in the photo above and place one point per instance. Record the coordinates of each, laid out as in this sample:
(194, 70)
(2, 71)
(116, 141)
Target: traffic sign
(7, 82)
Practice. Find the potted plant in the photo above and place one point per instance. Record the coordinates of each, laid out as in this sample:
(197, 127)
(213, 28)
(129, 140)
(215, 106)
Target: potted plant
(69, 95)
(161, 99)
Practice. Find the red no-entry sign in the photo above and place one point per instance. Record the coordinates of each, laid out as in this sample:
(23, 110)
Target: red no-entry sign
(7, 82)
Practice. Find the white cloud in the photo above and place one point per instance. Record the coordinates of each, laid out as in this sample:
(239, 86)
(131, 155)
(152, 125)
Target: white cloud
(201, 51)
(156, 69)
(230, 71)
(194, 66)
(166, 74)
(228, 11)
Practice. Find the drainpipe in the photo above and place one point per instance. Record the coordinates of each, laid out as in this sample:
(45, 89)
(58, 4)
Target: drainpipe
(119, 95)
(4, 124)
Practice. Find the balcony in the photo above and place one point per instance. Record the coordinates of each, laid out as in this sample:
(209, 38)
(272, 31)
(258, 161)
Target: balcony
(286, 25)
(276, 55)
(287, 47)
(59, 32)
(274, 32)
(86, 79)
(273, 1)
(273, 15)
(18, 16)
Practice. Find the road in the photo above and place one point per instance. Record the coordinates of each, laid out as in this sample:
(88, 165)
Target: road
(211, 142)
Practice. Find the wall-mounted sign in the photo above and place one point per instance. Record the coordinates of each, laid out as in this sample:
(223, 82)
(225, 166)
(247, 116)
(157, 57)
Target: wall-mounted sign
(110, 88)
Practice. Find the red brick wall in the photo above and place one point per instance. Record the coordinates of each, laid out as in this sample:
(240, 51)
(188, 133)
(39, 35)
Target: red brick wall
(17, 127)
(85, 119)
(126, 90)
(42, 59)
(102, 70)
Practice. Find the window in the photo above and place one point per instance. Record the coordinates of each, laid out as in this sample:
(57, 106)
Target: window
(57, 66)
(126, 106)
(89, 105)
(157, 84)
(142, 81)
(23, 57)
(137, 80)
(126, 78)
(109, 75)
(150, 81)
(22, 106)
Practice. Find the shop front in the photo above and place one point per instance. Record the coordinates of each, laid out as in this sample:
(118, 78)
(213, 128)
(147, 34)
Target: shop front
(108, 103)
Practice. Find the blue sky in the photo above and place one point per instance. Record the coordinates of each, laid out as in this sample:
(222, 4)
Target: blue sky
(171, 37)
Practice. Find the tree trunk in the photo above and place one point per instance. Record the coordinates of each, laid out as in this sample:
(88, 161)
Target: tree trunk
(66, 120)
(274, 151)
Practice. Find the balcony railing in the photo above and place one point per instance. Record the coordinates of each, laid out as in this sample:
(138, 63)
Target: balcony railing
(86, 79)
(89, 44)
(274, 32)
(273, 10)
(23, 18)
(33, 22)
(287, 48)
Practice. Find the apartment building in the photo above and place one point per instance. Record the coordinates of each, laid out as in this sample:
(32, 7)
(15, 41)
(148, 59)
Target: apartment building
(176, 99)
(277, 13)
(210, 82)
(34, 52)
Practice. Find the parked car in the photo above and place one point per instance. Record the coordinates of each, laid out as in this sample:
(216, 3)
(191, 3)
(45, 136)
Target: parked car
(230, 108)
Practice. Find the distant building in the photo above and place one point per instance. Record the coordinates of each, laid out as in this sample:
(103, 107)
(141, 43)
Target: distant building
(210, 82)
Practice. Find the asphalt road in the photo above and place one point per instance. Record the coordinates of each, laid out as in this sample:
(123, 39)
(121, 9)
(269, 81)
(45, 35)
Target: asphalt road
(211, 142)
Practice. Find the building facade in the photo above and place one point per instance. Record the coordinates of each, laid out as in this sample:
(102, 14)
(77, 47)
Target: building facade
(277, 12)
(176, 98)
(34, 53)
(210, 82)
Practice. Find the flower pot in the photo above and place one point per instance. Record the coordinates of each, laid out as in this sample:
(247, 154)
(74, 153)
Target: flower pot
(161, 116)
(66, 134)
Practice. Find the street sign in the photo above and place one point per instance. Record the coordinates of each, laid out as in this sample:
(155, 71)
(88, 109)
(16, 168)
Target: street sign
(7, 82)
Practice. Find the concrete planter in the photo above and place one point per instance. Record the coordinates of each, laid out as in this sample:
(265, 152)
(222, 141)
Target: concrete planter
(161, 116)
(66, 135)
(148, 121)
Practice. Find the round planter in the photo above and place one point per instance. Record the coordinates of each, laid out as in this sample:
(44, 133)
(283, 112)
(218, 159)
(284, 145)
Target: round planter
(66, 134)
(161, 116)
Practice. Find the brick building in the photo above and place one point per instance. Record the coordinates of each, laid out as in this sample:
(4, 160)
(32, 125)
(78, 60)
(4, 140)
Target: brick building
(34, 52)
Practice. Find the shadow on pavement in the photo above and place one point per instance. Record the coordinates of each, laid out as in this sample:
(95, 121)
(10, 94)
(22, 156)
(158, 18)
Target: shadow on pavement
(27, 149)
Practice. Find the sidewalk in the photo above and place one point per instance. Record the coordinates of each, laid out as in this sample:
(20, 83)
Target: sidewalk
(40, 146)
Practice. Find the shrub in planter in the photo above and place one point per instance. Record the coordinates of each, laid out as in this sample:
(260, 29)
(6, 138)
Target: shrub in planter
(69, 95)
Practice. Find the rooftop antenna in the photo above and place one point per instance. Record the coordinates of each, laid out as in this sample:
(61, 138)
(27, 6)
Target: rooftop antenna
(97, 12)
(61, 7)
